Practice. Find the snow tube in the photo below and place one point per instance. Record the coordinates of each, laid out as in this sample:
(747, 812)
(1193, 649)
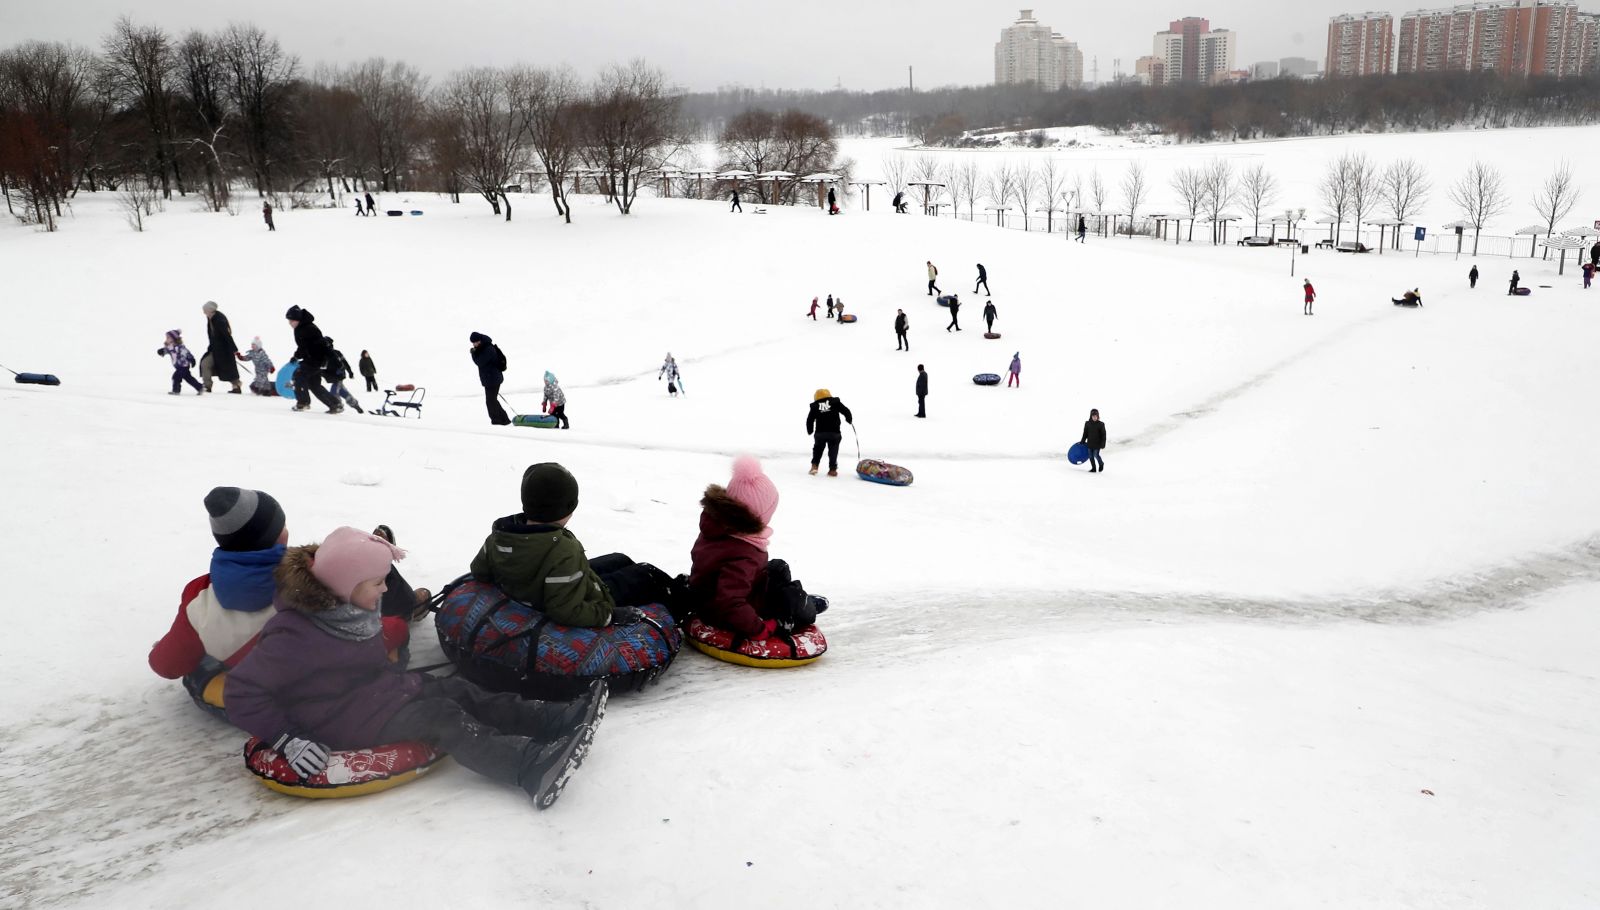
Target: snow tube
(41, 378)
(544, 421)
(1078, 454)
(781, 650)
(1522, 292)
(285, 380)
(393, 213)
(991, 335)
(987, 379)
(508, 646)
(205, 687)
(1409, 303)
(350, 772)
(944, 300)
(416, 211)
(847, 318)
(883, 472)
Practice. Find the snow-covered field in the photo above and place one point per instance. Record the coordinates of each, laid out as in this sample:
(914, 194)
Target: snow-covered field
(1323, 635)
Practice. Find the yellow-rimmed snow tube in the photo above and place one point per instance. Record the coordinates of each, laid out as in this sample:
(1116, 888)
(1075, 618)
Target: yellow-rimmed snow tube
(350, 772)
(779, 651)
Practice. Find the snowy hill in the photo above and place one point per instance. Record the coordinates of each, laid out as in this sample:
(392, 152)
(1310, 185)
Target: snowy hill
(1336, 561)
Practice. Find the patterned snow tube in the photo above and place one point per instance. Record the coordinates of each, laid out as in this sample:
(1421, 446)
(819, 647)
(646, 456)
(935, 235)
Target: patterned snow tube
(883, 472)
(508, 646)
(350, 772)
(987, 379)
(777, 652)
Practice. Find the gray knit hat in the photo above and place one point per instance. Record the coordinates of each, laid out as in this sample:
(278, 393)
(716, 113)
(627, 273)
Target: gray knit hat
(244, 520)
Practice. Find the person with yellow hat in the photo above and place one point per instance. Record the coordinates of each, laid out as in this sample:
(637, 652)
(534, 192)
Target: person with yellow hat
(822, 424)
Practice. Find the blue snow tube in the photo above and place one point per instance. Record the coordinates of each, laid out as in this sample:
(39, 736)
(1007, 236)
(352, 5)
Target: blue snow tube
(285, 380)
(1078, 454)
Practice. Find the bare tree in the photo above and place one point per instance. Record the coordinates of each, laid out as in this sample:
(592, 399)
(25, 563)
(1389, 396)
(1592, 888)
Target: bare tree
(1097, 191)
(140, 62)
(478, 103)
(1480, 195)
(1027, 188)
(632, 123)
(260, 77)
(1000, 186)
(1258, 189)
(971, 184)
(551, 102)
(1405, 186)
(952, 177)
(1190, 185)
(925, 168)
(1134, 190)
(896, 171)
(1365, 188)
(1335, 190)
(201, 81)
(1221, 187)
(393, 107)
(137, 202)
(1052, 188)
(1555, 199)
(46, 86)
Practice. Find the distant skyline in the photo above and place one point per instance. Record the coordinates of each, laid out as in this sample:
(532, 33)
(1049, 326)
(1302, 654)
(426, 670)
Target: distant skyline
(704, 44)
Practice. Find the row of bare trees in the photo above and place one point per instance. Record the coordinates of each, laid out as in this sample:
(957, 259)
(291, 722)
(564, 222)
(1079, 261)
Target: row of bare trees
(210, 112)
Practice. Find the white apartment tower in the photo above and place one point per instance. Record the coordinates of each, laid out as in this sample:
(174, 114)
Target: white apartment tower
(1190, 51)
(1030, 52)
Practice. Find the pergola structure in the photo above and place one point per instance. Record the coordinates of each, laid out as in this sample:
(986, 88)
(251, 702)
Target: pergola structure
(867, 186)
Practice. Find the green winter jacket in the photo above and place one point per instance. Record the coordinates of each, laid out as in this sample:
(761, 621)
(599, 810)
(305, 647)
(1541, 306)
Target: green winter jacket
(544, 567)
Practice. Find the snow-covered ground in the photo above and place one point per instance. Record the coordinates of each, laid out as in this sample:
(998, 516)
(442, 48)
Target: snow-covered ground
(1336, 561)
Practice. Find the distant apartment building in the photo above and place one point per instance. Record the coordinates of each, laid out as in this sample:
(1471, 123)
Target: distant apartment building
(1298, 67)
(1030, 52)
(1267, 69)
(1515, 37)
(1190, 51)
(1360, 45)
(1149, 70)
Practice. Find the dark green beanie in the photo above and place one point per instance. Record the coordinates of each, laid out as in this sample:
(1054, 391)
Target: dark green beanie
(549, 492)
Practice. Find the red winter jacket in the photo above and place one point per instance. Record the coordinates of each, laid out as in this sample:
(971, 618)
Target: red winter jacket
(1311, 293)
(727, 575)
(202, 626)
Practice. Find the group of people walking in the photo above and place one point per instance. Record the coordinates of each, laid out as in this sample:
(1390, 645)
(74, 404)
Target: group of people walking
(315, 358)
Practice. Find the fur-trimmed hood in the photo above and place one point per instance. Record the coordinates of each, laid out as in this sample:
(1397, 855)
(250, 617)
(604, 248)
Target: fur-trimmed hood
(725, 512)
(298, 589)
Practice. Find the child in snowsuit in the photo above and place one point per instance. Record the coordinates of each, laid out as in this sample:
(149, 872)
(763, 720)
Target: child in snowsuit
(221, 613)
(337, 371)
(1016, 371)
(669, 367)
(732, 583)
(257, 357)
(822, 424)
(555, 400)
(535, 560)
(182, 362)
(813, 311)
(1311, 296)
(320, 679)
(369, 371)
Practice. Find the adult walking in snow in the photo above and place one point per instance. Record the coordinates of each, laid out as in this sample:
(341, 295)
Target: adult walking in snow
(1472, 276)
(902, 325)
(1015, 379)
(1516, 281)
(822, 424)
(1083, 229)
(900, 203)
(989, 316)
(955, 314)
(736, 207)
(369, 371)
(830, 306)
(933, 274)
(266, 215)
(833, 202)
(922, 391)
(257, 357)
(983, 281)
(310, 355)
(555, 400)
(1094, 436)
(372, 207)
(491, 362)
(1311, 296)
(221, 348)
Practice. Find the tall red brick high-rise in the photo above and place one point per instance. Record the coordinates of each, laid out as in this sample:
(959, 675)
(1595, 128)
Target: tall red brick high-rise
(1360, 45)
(1189, 51)
(1515, 37)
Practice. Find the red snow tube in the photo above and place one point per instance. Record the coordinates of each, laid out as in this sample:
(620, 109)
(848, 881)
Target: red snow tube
(848, 318)
(782, 649)
(350, 772)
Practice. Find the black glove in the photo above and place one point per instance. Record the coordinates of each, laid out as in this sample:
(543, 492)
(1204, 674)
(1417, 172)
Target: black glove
(305, 757)
(626, 616)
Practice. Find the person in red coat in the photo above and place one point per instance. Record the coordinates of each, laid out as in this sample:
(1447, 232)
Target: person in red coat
(1311, 296)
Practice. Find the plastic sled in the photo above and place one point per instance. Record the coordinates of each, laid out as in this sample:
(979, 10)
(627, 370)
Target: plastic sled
(404, 400)
(350, 772)
(987, 379)
(285, 379)
(991, 335)
(38, 379)
(542, 421)
(944, 299)
(871, 469)
(779, 651)
(1079, 453)
(848, 318)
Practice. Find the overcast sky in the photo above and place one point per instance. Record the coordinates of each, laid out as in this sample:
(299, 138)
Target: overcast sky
(706, 43)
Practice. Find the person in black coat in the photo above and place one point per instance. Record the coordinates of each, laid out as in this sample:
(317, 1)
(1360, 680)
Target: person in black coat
(221, 348)
(983, 280)
(990, 314)
(1094, 436)
(1472, 277)
(902, 325)
(310, 356)
(922, 391)
(900, 203)
(336, 369)
(1083, 228)
(1594, 254)
(833, 202)
(369, 371)
(822, 423)
(955, 317)
(734, 198)
(491, 363)
(1516, 281)
(372, 207)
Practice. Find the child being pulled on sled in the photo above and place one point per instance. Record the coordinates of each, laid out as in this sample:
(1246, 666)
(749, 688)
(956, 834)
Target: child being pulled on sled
(257, 357)
(182, 362)
(732, 583)
(535, 560)
(319, 679)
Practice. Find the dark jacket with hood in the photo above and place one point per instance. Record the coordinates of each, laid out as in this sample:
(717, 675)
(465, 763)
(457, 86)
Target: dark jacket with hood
(922, 382)
(1094, 434)
(727, 575)
(335, 368)
(544, 566)
(300, 679)
(823, 417)
(491, 362)
(368, 368)
(310, 348)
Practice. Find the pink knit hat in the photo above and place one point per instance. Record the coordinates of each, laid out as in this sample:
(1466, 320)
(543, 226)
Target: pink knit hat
(753, 489)
(349, 557)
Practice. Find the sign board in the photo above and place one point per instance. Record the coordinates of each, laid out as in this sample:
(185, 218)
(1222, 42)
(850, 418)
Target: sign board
(1422, 234)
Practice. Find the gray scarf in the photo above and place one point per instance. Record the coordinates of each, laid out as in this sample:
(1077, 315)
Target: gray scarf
(349, 622)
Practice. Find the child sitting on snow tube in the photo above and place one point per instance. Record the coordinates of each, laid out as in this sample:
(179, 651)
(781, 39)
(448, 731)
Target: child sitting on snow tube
(319, 678)
(732, 584)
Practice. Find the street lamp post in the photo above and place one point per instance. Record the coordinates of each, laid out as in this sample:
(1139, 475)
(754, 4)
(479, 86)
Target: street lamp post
(1294, 217)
